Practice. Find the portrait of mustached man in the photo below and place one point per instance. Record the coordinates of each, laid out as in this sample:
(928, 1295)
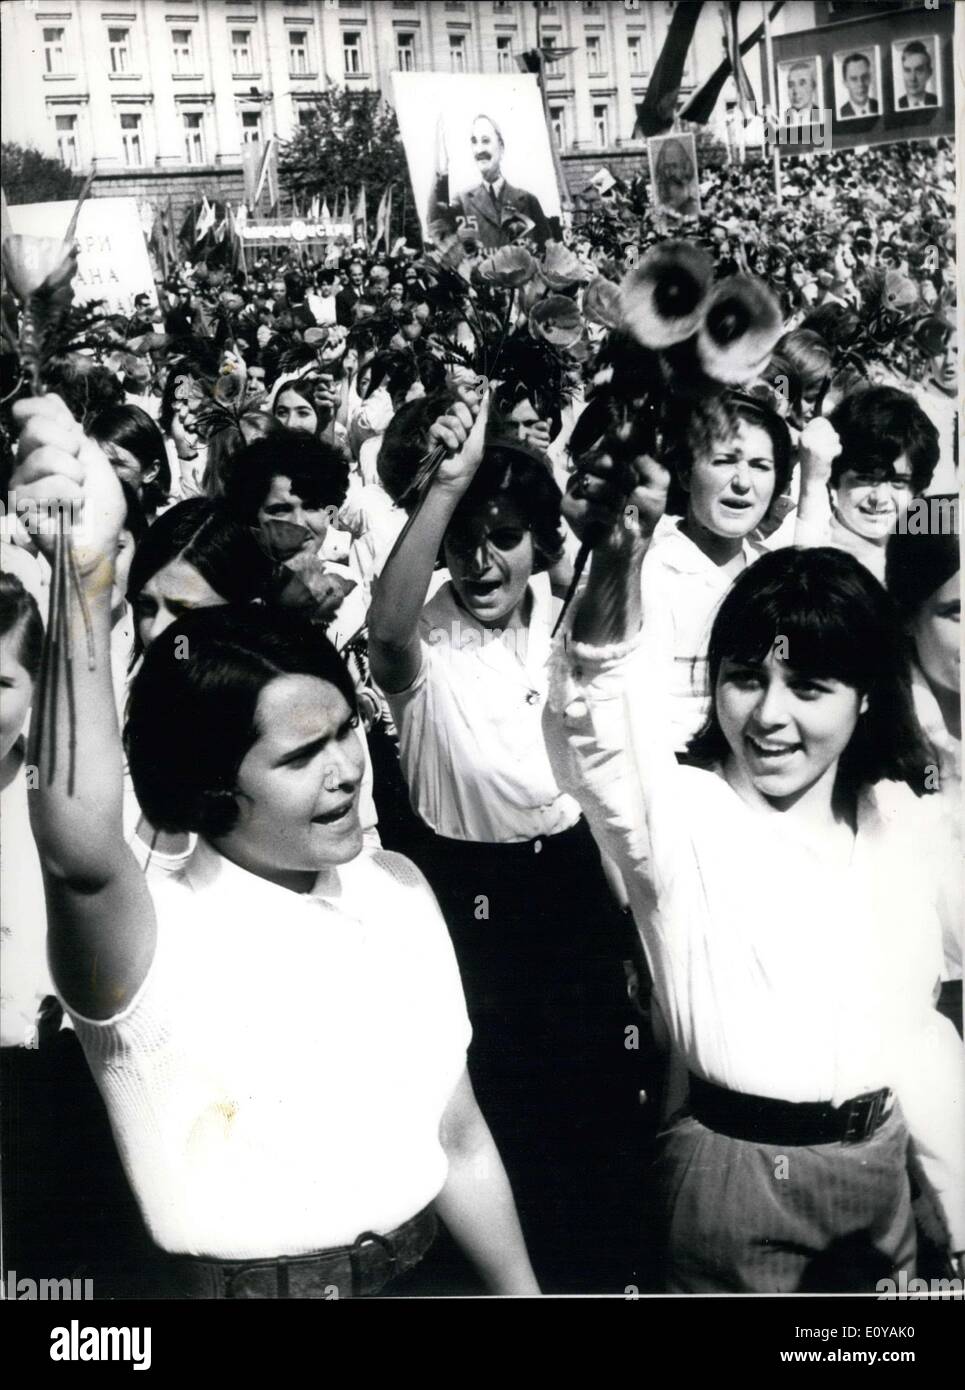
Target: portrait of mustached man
(500, 212)
(674, 178)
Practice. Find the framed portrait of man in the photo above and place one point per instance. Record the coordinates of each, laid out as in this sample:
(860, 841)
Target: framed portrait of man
(673, 175)
(479, 157)
(800, 92)
(916, 73)
(857, 83)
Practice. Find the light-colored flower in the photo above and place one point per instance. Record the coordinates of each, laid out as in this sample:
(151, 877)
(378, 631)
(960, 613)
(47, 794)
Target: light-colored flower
(510, 266)
(740, 327)
(663, 296)
(557, 321)
(602, 303)
(29, 261)
(561, 268)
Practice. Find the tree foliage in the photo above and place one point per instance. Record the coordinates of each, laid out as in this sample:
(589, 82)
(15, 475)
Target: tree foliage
(28, 176)
(352, 138)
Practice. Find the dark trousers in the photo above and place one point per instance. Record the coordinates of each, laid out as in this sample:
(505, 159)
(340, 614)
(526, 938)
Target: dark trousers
(738, 1217)
(541, 945)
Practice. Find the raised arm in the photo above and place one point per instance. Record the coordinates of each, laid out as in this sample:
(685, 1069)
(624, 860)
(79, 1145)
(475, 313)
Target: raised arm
(818, 447)
(101, 925)
(395, 649)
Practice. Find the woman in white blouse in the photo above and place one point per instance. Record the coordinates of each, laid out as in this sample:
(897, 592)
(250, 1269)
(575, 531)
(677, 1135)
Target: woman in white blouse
(279, 1031)
(537, 934)
(777, 884)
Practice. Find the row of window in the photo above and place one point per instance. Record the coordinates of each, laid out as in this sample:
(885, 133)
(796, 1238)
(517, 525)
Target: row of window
(134, 151)
(300, 64)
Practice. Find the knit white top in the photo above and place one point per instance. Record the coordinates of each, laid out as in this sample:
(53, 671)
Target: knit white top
(277, 1084)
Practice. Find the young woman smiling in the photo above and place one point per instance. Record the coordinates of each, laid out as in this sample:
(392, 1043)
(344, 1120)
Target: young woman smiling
(793, 939)
(282, 964)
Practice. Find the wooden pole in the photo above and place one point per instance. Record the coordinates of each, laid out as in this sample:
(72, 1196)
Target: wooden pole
(772, 95)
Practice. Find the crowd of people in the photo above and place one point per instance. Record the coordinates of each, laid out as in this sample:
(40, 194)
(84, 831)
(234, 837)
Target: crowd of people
(402, 912)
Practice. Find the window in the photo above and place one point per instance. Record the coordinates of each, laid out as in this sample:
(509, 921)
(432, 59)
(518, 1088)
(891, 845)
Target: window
(182, 50)
(66, 128)
(305, 116)
(54, 60)
(251, 127)
(591, 7)
(601, 125)
(500, 5)
(298, 64)
(352, 53)
(194, 137)
(558, 124)
(635, 51)
(119, 41)
(504, 53)
(132, 139)
(594, 55)
(457, 52)
(241, 63)
(405, 52)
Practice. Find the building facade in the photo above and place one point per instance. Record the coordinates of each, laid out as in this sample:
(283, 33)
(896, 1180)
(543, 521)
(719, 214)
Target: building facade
(160, 96)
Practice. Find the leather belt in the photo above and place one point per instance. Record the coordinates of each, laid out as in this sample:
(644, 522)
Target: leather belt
(359, 1270)
(762, 1120)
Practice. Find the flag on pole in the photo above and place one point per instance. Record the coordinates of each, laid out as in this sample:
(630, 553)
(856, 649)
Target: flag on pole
(266, 173)
(388, 220)
(701, 105)
(346, 207)
(205, 219)
(656, 112)
(382, 216)
(314, 211)
(325, 215)
(745, 92)
(361, 219)
(174, 254)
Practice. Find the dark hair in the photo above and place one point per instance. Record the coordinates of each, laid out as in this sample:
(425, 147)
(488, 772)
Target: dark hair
(406, 440)
(810, 357)
(185, 769)
(203, 533)
(854, 58)
(135, 520)
(85, 387)
(318, 471)
(916, 47)
(303, 386)
(876, 426)
(512, 470)
(396, 370)
(131, 428)
(694, 426)
(919, 563)
(201, 364)
(19, 613)
(838, 623)
(226, 443)
(835, 323)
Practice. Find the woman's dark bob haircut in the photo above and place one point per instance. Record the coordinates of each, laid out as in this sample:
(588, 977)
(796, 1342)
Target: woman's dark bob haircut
(185, 770)
(838, 623)
(513, 471)
(317, 471)
(131, 428)
(202, 532)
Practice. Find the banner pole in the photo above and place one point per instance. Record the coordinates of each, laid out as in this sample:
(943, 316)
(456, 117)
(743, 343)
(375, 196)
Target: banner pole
(772, 93)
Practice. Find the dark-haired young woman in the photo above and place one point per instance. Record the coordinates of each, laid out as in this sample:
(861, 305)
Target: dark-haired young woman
(135, 446)
(536, 932)
(279, 1032)
(793, 939)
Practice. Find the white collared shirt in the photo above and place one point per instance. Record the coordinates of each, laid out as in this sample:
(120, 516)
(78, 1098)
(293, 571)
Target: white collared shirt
(778, 973)
(277, 1084)
(681, 591)
(470, 738)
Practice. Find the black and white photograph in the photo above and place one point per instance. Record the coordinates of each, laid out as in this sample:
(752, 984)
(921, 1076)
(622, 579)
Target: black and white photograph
(800, 89)
(857, 83)
(479, 156)
(480, 678)
(673, 175)
(916, 73)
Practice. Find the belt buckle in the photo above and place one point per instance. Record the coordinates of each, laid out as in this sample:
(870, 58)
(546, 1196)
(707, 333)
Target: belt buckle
(358, 1253)
(862, 1115)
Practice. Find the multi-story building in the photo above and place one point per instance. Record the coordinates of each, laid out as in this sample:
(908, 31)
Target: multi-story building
(161, 95)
